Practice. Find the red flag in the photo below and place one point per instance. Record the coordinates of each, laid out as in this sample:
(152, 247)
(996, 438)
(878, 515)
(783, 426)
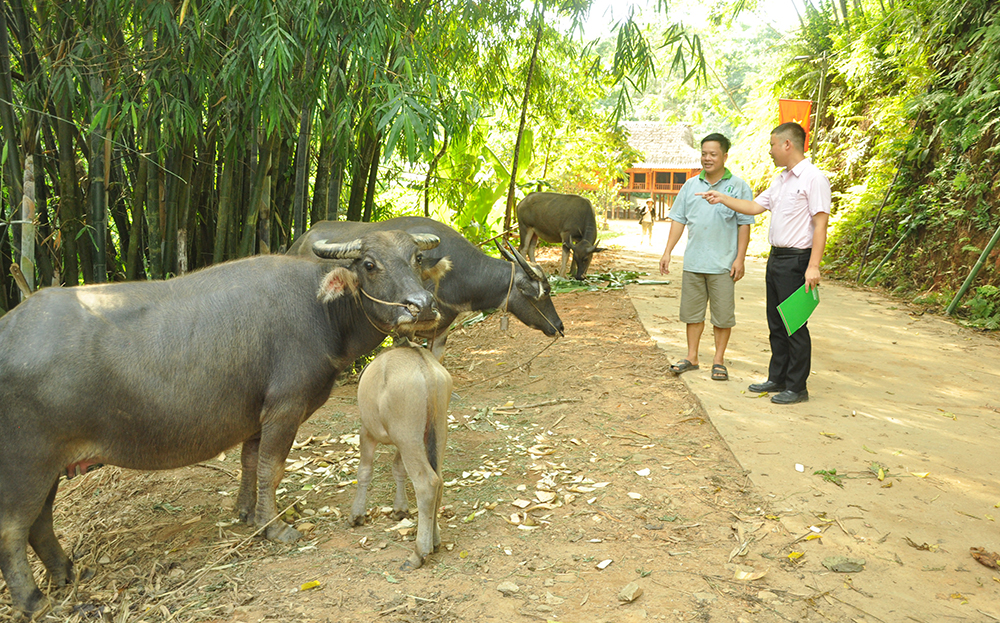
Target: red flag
(797, 111)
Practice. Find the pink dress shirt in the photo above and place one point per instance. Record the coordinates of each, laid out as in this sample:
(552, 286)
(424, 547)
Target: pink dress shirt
(793, 198)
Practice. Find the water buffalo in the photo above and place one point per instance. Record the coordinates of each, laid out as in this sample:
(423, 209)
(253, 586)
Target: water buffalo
(475, 282)
(403, 397)
(158, 375)
(566, 219)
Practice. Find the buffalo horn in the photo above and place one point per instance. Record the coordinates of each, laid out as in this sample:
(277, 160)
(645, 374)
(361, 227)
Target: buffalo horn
(338, 250)
(533, 271)
(504, 253)
(426, 241)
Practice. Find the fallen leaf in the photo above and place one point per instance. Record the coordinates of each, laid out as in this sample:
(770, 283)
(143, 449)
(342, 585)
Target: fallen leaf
(635, 496)
(795, 555)
(545, 496)
(927, 547)
(604, 564)
(402, 525)
(985, 558)
(521, 503)
(744, 573)
(643, 472)
(309, 585)
(813, 537)
(920, 474)
(540, 450)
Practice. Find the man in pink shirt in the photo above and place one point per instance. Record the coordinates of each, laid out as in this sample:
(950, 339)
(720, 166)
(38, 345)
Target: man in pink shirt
(799, 202)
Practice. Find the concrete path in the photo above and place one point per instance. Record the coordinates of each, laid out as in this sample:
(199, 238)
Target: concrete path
(913, 394)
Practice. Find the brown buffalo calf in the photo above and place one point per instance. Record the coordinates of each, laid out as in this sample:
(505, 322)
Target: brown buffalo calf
(403, 396)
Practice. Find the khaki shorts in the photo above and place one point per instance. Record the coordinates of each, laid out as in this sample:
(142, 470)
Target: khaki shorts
(698, 289)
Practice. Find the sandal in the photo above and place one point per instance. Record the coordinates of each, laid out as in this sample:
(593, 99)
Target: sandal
(683, 366)
(719, 372)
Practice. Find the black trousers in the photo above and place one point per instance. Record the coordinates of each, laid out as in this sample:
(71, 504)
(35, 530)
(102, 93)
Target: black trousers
(790, 354)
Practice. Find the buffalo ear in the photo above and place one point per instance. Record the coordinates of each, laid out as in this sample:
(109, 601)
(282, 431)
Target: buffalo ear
(336, 283)
(436, 270)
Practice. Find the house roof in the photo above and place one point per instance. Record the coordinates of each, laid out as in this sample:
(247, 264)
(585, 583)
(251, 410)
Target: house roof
(663, 146)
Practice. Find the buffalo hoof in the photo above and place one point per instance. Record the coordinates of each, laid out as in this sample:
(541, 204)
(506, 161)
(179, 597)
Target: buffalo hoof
(400, 513)
(35, 607)
(63, 575)
(414, 561)
(356, 520)
(282, 533)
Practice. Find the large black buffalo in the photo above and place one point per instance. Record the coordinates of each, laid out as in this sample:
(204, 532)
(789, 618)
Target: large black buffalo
(158, 375)
(475, 282)
(566, 219)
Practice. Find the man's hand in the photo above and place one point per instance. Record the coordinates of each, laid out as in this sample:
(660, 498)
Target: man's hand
(665, 264)
(812, 278)
(738, 270)
(711, 196)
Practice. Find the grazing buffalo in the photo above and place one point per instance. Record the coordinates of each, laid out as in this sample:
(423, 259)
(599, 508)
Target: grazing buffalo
(566, 219)
(403, 397)
(475, 282)
(158, 375)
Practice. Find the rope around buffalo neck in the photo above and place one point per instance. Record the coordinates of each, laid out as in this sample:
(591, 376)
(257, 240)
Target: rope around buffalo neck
(369, 318)
(506, 301)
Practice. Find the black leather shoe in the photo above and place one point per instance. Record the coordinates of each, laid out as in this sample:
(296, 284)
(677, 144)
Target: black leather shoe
(788, 397)
(767, 386)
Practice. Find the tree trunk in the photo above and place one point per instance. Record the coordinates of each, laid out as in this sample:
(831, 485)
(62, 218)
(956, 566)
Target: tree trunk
(301, 173)
(184, 198)
(372, 178)
(430, 173)
(359, 175)
(155, 212)
(281, 188)
(520, 130)
(336, 188)
(8, 119)
(133, 262)
(260, 202)
(28, 225)
(225, 221)
(321, 189)
(843, 9)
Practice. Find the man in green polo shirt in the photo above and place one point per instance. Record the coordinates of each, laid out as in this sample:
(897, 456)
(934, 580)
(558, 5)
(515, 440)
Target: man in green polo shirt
(714, 255)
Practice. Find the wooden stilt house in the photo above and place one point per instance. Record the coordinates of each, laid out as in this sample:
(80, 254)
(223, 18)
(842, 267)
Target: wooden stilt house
(670, 159)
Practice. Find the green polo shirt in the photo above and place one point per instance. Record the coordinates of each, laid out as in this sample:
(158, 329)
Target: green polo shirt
(711, 229)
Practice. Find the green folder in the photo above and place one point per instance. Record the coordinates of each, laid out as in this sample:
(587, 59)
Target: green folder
(797, 308)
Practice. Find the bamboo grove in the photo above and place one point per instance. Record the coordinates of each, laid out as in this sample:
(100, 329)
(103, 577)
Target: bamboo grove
(145, 139)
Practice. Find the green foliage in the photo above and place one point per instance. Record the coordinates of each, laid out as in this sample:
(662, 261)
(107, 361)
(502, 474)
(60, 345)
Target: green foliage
(614, 280)
(984, 308)
(908, 134)
(831, 475)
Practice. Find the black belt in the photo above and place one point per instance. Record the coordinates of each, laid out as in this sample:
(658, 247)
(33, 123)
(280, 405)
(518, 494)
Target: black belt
(789, 251)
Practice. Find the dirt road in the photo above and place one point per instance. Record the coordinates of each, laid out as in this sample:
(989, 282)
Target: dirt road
(913, 395)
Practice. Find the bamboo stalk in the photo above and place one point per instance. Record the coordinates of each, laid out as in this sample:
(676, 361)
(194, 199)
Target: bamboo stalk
(974, 273)
(885, 259)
